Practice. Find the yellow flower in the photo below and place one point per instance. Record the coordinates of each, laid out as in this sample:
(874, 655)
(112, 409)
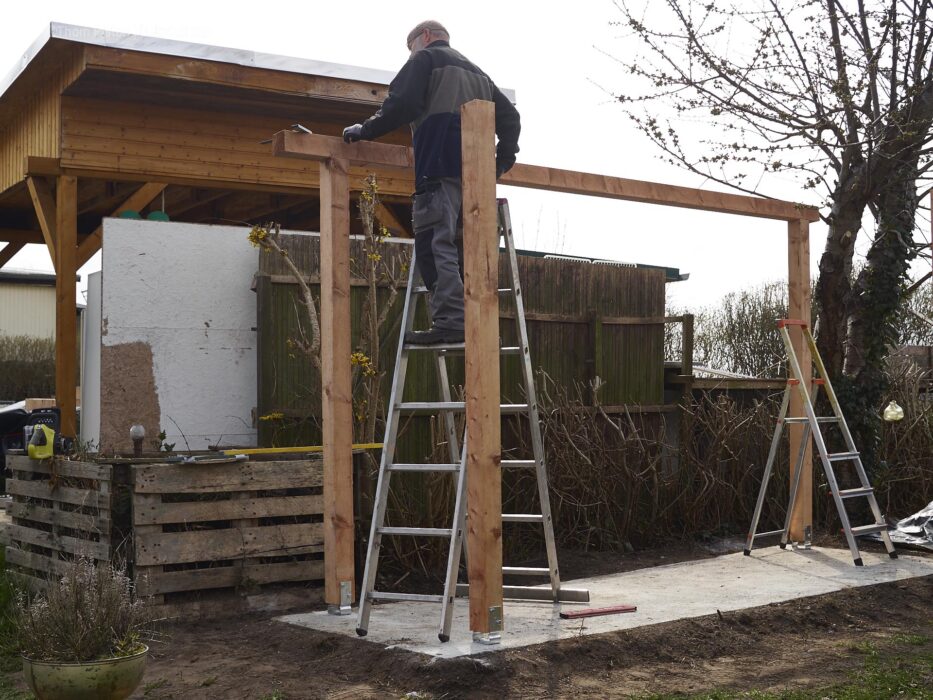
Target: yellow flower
(275, 415)
(257, 236)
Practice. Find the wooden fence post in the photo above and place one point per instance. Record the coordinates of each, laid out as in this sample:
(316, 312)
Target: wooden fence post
(484, 441)
(337, 396)
(798, 307)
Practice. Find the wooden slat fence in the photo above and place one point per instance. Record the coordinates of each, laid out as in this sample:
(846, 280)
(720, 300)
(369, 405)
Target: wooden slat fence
(227, 530)
(60, 510)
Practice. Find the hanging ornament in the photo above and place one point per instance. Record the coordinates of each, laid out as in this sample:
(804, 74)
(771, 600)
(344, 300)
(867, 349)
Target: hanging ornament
(893, 412)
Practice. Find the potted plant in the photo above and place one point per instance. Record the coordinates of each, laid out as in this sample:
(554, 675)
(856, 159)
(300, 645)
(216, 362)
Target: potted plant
(83, 637)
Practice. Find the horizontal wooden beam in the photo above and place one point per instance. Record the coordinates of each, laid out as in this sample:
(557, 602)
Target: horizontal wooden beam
(21, 236)
(291, 144)
(557, 180)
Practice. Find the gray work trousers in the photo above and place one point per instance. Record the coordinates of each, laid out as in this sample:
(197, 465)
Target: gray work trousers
(439, 248)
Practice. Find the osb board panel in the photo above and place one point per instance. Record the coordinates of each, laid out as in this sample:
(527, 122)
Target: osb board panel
(128, 395)
(174, 142)
(31, 112)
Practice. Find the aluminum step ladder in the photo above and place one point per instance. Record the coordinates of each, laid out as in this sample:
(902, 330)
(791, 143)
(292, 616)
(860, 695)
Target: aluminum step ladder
(447, 409)
(811, 423)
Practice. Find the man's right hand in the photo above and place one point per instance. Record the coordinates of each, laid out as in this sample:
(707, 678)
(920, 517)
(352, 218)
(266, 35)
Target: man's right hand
(352, 134)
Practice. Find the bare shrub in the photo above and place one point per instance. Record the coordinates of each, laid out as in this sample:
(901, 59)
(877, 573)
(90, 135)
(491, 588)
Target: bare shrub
(91, 613)
(27, 367)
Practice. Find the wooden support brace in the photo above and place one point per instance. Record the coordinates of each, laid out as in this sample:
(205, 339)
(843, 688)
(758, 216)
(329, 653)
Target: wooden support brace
(66, 330)
(484, 440)
(9, 251)
(44, 204)
(136, 201)
(337, 393)
(798, 265)
(391, 222)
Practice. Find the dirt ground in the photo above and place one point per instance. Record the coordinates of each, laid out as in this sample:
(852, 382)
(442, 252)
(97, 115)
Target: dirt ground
(812, 642)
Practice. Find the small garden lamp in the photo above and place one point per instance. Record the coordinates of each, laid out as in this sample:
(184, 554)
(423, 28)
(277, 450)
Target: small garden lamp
(137, 434)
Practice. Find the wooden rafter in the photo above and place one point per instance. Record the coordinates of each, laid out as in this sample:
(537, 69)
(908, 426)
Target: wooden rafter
(136, 201)
(9, 251)
(44, 204)
(16, 235)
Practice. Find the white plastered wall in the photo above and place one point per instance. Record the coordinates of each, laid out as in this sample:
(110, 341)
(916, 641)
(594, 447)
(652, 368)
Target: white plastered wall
(182, 293)
(90, 368)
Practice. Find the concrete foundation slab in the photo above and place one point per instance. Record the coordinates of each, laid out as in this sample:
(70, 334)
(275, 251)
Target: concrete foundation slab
(662, 594)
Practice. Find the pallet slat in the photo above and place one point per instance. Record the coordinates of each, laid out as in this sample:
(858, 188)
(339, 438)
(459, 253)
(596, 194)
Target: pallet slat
(75, 521)
(148, 513)
(152, 580)
(37, 562)
(204, 545)
(219, 478)
(64, 543)
(60, 494)
(78, 470)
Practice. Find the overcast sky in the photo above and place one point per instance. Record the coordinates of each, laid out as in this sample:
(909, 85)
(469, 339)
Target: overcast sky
(555, 58)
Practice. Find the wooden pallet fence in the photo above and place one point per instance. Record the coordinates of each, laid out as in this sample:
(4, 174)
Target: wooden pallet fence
(225, 532)
(61, 510)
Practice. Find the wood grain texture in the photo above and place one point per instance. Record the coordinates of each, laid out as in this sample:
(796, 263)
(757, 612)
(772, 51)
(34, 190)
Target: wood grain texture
(66, 325)
(798, 274)
(319, 147)
(337, 392)
(484, 442)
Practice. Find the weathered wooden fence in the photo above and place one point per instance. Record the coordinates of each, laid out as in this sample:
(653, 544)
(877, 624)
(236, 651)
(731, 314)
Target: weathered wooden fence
(584, 321)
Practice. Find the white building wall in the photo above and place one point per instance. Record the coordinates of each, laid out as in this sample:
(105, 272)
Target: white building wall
(176, 297)
(27, 309)
(90, 367)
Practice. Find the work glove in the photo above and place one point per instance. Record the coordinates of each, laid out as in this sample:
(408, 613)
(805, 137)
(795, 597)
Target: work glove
(503, 165)
(352, 134)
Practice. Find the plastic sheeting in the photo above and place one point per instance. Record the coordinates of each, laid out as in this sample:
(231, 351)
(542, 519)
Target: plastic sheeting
(913, 531)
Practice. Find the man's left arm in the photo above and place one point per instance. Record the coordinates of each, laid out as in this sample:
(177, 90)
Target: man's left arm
(508, 128)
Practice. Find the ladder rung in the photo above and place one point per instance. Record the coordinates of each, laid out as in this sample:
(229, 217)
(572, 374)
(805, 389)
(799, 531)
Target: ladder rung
(768, 534)
(423, 467)
(855, 493)
(416, 531)
(424, 290)
(869, 529)
(459, 348)
(413, 597)
(824, 419)
(842, 456)
(434, 406)
(521, 463)
(505, 290)
(522, 518)
(525, 571)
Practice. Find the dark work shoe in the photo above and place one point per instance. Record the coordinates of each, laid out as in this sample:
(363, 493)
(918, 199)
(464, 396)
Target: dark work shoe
(434, 336)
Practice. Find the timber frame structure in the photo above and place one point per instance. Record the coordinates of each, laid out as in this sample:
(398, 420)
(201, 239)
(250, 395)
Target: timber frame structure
(95, 123)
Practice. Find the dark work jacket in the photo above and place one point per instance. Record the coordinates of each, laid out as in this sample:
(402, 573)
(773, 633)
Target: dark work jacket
(428, 92)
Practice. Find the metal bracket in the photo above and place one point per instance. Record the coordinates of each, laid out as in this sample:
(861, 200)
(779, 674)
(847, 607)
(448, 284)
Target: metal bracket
(345, 600)
(494, 635)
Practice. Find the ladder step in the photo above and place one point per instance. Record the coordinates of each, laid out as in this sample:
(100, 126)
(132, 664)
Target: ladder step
(843, 456)
(520, 518)
(520, 463)
(411, 597)
(855, 493)
(416, 531)
(424, 290)
(564, 595)
(459, 348)
(869, 529)
(423, 467)
(768, 534)
(822, 419)
(434, 406)
(525, 571)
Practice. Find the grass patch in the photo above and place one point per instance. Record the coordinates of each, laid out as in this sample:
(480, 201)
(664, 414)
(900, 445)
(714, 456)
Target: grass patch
(880, 679)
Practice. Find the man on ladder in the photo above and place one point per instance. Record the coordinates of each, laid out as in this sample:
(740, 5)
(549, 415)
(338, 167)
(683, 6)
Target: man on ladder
(428, 92)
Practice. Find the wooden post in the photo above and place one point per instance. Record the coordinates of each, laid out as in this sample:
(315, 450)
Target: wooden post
(798, 266)
(484, 440)
(66, 326)
(335, 382)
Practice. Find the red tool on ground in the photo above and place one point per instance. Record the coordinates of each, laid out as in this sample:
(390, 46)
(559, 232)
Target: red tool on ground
(596, 612)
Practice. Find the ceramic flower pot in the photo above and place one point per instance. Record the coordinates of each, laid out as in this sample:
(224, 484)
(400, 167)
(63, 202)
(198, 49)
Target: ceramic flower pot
(110, 679)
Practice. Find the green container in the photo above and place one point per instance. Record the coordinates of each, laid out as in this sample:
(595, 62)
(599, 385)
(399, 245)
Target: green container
(110, 679)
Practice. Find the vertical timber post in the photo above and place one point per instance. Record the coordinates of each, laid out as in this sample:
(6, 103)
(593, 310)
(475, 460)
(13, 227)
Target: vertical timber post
(484, 439)
(335, 384)
(798, 266)
(66, 326)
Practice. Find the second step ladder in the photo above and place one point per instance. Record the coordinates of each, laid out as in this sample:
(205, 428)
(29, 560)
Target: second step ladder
(797, 380)
(447, 409)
